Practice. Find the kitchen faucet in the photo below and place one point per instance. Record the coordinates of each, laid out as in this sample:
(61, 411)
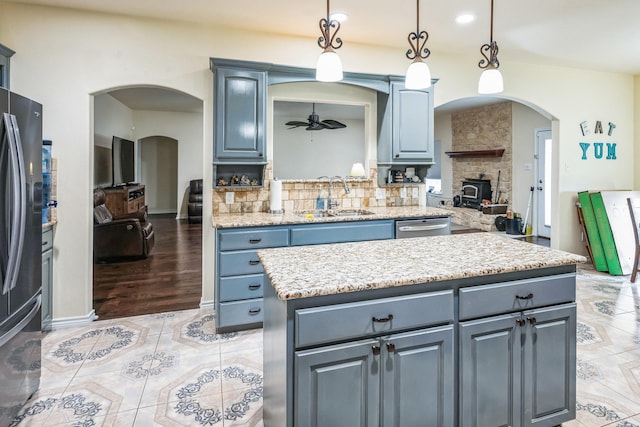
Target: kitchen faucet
(330, 203)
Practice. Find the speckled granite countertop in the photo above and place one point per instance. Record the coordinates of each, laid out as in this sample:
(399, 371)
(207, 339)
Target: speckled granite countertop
(309, 271)
(262, 218)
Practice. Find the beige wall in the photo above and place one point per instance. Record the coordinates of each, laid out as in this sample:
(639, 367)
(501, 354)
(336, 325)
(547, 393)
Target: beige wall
(63, 57)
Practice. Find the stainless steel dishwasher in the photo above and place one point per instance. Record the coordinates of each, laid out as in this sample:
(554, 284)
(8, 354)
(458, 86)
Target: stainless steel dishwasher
(434, 226)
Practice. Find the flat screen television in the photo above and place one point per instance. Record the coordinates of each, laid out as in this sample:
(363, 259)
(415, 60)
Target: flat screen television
(122, 161)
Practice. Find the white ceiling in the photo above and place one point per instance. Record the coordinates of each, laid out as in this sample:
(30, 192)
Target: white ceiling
(593, 34)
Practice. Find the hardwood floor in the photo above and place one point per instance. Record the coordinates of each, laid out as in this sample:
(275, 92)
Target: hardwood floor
(169, 279)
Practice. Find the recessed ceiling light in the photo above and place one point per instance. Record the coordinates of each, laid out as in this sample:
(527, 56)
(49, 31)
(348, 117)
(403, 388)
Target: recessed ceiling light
(465, 18)
(338, 16)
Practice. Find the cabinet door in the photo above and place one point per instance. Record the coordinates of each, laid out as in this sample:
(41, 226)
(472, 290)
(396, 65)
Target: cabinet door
(490, 372)
(418, 378)
(47, 284)
(412, 137)
(338, 386)
(550, 366)
(240, 99)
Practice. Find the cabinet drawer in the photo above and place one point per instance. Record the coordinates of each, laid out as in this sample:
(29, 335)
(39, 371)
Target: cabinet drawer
(486, 300)
(250, 239)
(359, 319)
(240, 313)
(239, 262)
(243, 287)
(47, 240)
(340, 233)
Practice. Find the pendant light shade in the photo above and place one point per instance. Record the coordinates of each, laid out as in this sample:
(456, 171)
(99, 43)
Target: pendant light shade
(490, 81)
(329, 66)
(491, 78)
(418, 75)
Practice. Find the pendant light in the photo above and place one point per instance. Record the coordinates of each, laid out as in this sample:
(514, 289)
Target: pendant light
(418, 75)
(491, 78)
(329, 67)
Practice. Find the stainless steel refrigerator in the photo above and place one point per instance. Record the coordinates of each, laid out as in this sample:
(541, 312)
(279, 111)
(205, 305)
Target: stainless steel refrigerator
(20, 251)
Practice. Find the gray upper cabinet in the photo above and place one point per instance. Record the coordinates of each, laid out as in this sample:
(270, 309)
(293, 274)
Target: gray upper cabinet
(405, 126)
(240, 115)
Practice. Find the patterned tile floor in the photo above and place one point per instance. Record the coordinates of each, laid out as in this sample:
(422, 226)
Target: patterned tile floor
(171, 369)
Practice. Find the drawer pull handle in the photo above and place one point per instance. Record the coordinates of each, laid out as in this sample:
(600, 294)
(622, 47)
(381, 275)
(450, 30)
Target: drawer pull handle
(391, 347)
(532, 320)
(254, 262)
(254, 287)
(254, 311)
(376, 350)
(382, 319)
(528, 296)
(255, 241)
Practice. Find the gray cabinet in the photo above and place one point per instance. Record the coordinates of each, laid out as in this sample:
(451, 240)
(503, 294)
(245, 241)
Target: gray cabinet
(405, 126)
(239, 274)
(518, 368)
(239, 277)
(395, 380)
(47, 278)
(240, 115)
(399, 381)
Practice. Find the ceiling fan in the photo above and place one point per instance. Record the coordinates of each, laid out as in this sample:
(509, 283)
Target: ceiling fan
(314, 123)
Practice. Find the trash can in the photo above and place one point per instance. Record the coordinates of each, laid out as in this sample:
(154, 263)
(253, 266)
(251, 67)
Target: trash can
(513, 226)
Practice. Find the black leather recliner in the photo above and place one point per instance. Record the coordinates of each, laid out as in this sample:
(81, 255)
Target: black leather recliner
(195, 201)
(119, 238)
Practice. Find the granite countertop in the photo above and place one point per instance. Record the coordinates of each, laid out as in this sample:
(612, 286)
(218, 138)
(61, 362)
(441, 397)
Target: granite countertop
(262, 218)
(309, 271)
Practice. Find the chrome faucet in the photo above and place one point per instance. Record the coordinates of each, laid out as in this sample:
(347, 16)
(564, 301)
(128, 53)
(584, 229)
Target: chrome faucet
(330, 203)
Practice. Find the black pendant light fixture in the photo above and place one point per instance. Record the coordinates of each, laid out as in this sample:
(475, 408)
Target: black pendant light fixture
(418, 75)
(491, 78)
(329, 67)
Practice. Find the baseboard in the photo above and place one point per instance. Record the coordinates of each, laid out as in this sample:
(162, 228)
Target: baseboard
(74, 322)
(208, 305)
(162, 211)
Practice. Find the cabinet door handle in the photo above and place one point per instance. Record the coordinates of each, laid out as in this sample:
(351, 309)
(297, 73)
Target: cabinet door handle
(521, 322)
(254, 287)
(528, 296)
(254, 311)
(397, 155)
(382, 319)
(254, 241)
(254, 262)
(532, 320)
(391, 347)
(260, 155)
(376, 350)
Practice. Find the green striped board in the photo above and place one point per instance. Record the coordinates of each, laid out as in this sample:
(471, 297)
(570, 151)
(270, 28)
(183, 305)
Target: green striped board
(599, 260)
(606, 235)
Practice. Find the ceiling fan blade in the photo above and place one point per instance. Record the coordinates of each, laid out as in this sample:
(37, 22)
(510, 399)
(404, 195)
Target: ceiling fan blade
(333, 124)
(296, 123)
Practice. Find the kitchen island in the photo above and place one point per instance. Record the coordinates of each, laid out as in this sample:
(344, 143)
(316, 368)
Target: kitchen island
(473, 329)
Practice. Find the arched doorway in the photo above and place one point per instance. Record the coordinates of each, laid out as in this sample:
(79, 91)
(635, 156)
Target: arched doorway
(494, 122)
(166, 126)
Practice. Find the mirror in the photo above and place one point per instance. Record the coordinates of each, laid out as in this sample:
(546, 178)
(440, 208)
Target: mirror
(300, 154)
(314, 143)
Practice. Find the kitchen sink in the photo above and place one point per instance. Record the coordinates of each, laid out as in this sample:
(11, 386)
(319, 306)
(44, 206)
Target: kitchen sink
(313, 213)
(349, 212)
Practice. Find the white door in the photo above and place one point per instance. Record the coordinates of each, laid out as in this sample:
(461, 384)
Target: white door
(542, 197)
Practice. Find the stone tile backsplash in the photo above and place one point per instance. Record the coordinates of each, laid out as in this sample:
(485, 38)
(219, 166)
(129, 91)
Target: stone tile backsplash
(300, 195)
